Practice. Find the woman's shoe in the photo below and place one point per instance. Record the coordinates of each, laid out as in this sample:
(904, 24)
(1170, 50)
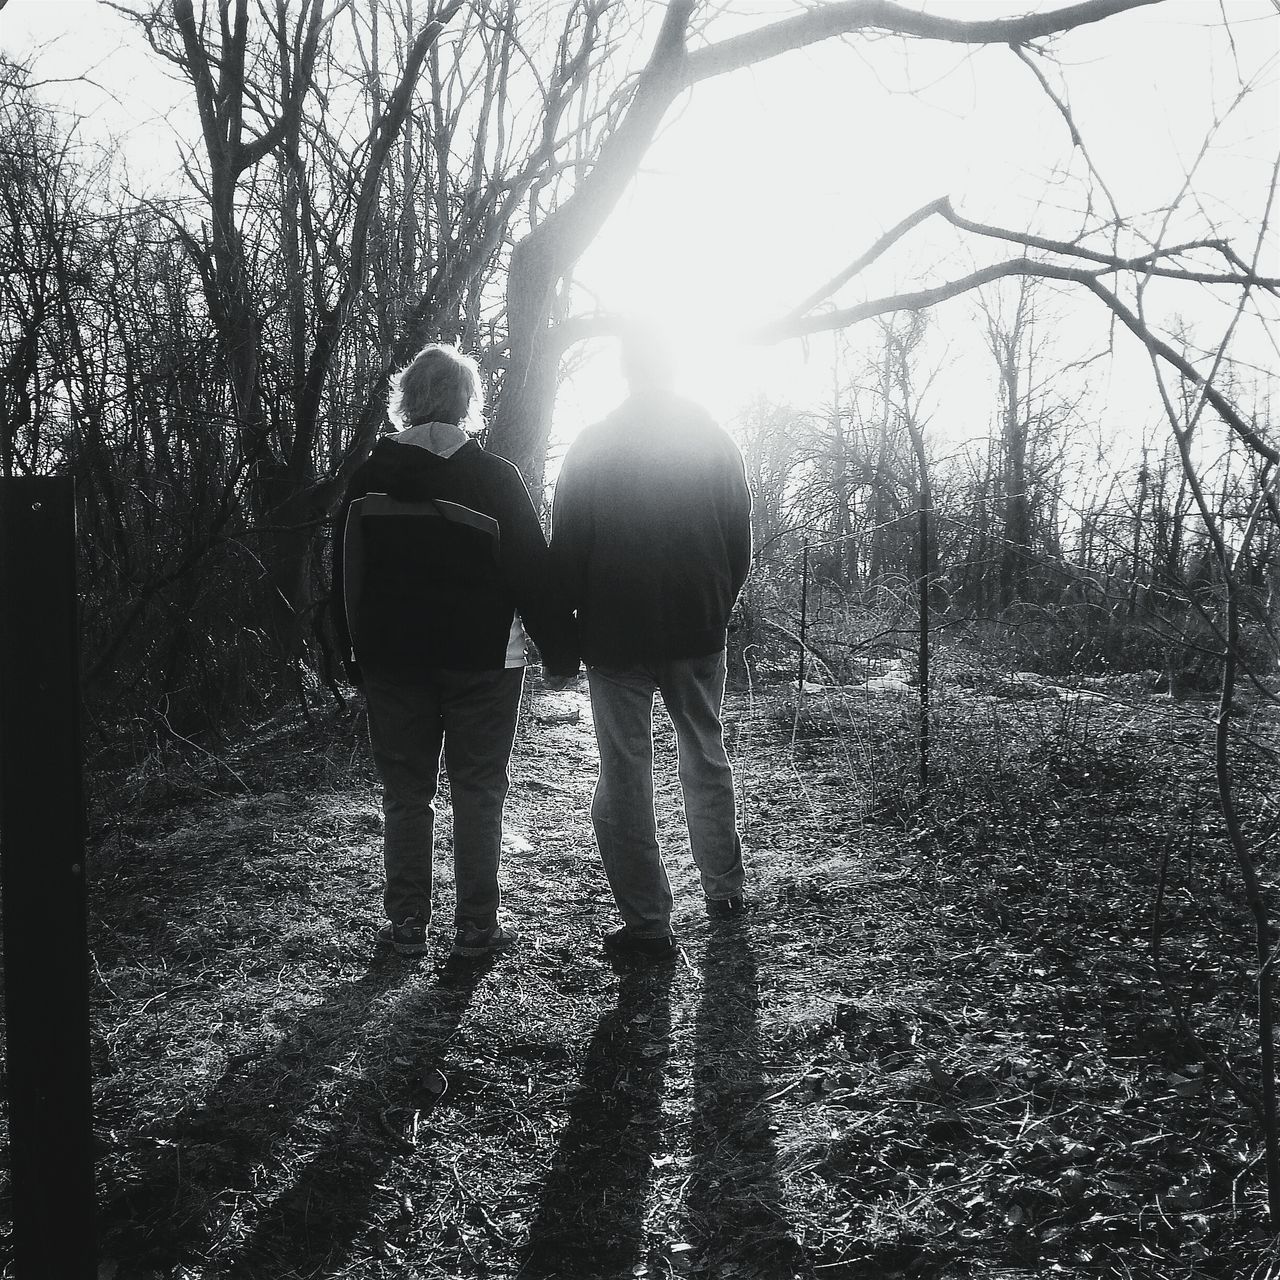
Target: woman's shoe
(409, 937)
(472, 940)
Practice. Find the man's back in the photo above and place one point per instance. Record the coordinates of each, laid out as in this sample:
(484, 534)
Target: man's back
(652, 531)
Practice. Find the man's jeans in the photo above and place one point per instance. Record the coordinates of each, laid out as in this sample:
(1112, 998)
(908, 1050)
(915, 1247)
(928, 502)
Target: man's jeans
(473, 715)
(622, 809)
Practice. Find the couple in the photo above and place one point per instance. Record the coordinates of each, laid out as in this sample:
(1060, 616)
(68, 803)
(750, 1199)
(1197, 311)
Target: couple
(440, 564)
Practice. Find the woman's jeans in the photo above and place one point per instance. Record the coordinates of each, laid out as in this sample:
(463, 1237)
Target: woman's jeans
(473, 715)
(622, 809)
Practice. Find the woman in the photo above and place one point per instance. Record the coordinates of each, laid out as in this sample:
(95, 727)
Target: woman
(438, 558)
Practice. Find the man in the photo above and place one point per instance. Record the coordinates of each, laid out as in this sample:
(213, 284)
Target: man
(651, 539)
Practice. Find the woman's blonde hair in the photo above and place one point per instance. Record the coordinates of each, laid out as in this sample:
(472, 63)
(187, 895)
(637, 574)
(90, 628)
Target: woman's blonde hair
(439, 384)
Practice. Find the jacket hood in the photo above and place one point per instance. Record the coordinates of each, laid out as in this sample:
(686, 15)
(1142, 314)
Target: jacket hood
(442, 438)
(404, 470)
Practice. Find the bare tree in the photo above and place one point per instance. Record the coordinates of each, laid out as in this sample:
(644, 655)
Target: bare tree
(768, 435)
(47, 243)
(254, 80)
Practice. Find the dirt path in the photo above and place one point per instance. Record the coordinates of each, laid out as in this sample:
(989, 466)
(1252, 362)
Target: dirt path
(938, 1052)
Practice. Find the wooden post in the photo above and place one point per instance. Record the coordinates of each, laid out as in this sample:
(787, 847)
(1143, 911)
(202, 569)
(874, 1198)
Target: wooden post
(46, 955)
(925, 563)
(804, 614)
(922, 655)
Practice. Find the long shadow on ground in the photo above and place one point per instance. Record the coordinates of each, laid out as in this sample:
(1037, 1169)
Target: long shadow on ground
(333, 1078)
(166, 1212)
(590, 1218)
(313, 1225)
(734, 1201)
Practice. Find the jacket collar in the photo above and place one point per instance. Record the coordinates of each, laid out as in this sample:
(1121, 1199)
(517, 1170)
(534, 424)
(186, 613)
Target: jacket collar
(444, 439)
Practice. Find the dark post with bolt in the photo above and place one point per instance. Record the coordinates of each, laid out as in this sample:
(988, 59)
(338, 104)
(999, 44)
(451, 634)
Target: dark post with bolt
(46, 955)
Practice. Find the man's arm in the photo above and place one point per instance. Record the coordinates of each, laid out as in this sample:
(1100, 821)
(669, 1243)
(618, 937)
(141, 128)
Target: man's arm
(569, 522)
(527, 569)
(738, 522)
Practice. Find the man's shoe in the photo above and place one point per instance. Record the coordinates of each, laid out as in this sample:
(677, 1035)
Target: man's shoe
(472, 940)
(409, 937)
(726, 908)
(623, 944)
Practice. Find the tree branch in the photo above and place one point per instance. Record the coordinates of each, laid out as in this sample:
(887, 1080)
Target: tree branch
(880, 15)
(922, 299)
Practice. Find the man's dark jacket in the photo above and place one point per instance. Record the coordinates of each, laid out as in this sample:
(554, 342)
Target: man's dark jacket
(432, 557)
(651, 532)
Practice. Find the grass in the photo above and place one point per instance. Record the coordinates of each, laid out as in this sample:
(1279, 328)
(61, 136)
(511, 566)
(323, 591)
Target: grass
(939, 1047)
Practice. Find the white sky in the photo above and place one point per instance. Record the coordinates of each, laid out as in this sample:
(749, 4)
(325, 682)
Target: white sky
(767, 182)
(127, 93)
(770, 181)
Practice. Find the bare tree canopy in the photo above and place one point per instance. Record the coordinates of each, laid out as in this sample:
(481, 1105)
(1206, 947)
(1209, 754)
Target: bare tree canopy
(361, 179)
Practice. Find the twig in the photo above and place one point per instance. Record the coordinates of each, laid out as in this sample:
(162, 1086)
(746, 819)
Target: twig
(773, 1097)
(471, 1201)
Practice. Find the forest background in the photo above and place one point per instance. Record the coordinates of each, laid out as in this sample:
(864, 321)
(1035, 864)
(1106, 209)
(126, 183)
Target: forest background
(201, 309)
